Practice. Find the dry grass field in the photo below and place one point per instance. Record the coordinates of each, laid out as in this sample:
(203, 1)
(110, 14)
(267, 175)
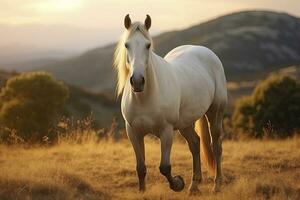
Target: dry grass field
(251, 170)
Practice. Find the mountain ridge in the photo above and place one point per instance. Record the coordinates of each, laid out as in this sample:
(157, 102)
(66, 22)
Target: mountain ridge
(247, 41)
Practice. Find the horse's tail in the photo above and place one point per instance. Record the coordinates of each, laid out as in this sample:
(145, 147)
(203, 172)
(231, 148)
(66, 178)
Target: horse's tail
(206, 149)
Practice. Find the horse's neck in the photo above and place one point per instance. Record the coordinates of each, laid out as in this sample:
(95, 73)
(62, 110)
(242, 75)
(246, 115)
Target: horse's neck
(157, 73)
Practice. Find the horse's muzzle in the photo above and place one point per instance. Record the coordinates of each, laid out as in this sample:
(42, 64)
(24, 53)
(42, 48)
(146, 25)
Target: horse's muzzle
(137, 83)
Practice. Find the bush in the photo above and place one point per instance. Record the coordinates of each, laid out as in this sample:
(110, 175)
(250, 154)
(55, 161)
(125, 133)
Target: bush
(30, 103)
(272, 110)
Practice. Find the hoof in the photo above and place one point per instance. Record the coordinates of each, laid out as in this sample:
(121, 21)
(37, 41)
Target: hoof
(194, 191)
(217, 186)
(216, 189)
(142, 189)
(178, 184)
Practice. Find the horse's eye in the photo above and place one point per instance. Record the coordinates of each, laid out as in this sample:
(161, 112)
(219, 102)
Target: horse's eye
(126, 45)
(148, 46)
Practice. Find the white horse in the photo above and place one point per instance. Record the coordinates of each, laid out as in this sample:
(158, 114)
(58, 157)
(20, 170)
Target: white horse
(184, 91)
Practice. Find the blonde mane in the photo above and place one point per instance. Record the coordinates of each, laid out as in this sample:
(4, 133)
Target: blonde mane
(120, 56)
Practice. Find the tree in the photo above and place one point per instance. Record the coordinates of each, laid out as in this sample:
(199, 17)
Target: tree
(273, 108)
(30, 103)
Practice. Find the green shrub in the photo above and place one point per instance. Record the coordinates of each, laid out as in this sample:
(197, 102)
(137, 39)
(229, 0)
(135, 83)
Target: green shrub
(272, 110)
(30, 103)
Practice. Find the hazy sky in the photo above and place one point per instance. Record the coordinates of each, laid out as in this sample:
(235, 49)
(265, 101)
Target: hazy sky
(81, 24)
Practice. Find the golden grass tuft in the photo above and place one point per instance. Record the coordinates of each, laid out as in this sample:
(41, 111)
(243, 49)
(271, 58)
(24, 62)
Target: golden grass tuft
(106, 170)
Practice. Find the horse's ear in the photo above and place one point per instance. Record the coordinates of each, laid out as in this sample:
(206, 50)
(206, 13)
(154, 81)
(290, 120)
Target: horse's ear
(147, 22)
(127, 21)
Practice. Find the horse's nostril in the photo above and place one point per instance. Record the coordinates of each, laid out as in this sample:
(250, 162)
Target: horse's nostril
(143, 80)
(131, 80)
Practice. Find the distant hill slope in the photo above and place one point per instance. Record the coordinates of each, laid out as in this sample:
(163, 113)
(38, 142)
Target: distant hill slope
(241, 88)
(250, 41)
(82, 104)
(100, 107)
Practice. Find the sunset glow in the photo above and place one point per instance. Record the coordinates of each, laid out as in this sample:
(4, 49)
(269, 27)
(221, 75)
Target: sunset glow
(89, 23)
(168, 14)
(51, 6)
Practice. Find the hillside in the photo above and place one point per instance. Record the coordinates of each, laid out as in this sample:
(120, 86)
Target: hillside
(104, 108)
(82, 104)
(106, 170)
(250, 41)
(100, 107)
(237, 89)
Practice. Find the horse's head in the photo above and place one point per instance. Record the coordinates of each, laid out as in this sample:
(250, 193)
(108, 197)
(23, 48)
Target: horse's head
(138, 46)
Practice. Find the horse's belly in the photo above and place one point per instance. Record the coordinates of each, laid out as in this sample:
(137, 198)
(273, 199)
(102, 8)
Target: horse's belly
(192, 110)
(187, 119)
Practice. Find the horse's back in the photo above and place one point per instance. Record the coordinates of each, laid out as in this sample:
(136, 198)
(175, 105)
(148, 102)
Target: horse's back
(190, 55)
(201, 76)
(197, 60)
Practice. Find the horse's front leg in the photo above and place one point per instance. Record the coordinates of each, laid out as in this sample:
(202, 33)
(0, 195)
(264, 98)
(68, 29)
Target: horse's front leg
(137, 142)
(166, 138)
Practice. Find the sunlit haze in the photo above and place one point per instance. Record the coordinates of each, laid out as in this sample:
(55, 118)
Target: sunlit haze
(77, 25)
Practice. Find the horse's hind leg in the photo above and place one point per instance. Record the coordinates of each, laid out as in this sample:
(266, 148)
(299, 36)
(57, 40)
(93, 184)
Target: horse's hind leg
(215, 117)
(193, 141)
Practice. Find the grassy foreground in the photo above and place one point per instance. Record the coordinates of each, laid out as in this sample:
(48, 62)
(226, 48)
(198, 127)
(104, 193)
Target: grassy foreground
(251, 170)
